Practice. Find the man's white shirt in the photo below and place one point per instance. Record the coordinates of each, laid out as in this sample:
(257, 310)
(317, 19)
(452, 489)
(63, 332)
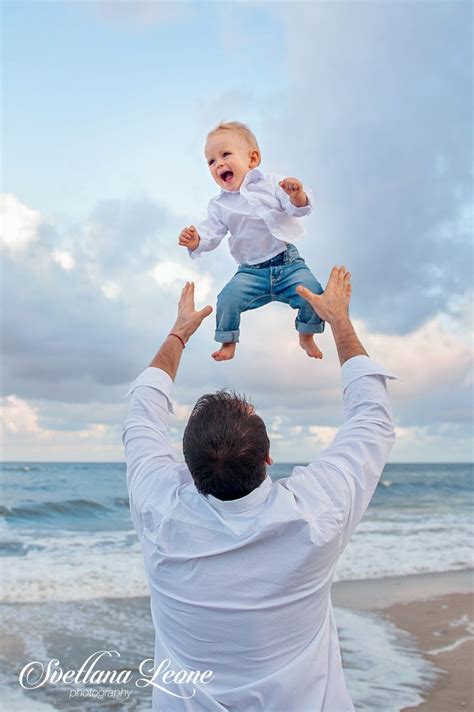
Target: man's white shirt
(260, 218)
(242, 587)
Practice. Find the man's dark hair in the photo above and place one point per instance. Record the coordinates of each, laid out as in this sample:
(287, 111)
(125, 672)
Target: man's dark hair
(225, 445)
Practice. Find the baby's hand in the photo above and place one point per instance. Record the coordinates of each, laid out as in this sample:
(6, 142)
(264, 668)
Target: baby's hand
(294, 188)
(189, 237)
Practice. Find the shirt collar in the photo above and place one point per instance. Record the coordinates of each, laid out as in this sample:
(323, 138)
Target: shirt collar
(251, 177)
(250, 501)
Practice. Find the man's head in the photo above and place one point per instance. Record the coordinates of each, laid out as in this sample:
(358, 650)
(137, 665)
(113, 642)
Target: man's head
(226, 446)
(231, 152)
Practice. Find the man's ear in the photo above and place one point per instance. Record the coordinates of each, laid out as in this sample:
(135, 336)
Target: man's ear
(254, 158)
(268, 459)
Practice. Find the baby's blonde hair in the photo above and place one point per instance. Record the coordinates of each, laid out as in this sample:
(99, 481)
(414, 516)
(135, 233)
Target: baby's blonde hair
(240, 128)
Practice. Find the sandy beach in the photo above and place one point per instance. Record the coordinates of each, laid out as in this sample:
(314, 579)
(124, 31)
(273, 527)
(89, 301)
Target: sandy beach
(437, 610)
(443, 629)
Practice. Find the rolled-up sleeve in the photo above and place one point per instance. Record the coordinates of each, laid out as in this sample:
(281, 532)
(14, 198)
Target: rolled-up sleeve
(211, 231)
(344, 477)
(148, 449)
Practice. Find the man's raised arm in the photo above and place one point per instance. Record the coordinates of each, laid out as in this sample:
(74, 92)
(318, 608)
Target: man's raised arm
(334, 304)
(344, 477)
(148, 450)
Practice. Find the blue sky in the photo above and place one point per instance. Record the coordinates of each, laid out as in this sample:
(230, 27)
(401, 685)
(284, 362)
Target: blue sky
(106, 107)
(99, 105)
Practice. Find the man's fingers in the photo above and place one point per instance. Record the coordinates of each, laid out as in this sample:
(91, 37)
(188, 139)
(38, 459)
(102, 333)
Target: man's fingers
(307, 293)
(337, 276)
(190, 293)
(205, 312)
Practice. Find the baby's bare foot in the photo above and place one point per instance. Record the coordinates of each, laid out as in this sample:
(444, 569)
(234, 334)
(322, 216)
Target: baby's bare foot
(308, 344)
(225, 353)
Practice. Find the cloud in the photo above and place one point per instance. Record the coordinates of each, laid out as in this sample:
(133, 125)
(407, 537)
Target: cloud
(24, 433)
(443, 442)
(64, 260)
(111, 289)
(370, 107)
(18, 416)
(322, 435)
(18, 224)
(171, 276)
(90, 329)
(87, 323)
(380, 97)
(142, 14)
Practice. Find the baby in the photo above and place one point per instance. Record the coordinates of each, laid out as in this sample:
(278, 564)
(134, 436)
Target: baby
(261, 214)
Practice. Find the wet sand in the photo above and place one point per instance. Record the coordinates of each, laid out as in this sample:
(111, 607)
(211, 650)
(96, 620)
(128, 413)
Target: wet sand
(437, 610)
(443, 628)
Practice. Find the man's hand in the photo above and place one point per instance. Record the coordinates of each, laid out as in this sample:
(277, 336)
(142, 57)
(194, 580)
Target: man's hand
(169, 355)
(333, 307)
(294, 189)
(333, 304)
(189, 237)
(188, 318)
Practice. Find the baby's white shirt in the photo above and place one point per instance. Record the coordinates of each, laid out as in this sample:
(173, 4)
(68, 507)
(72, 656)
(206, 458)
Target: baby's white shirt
(260, 218)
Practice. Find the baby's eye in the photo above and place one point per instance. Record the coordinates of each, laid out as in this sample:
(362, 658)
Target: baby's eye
(226, 153)
(211, 161)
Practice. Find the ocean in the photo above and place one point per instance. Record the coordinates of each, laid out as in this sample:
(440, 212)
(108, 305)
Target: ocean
(73, 581)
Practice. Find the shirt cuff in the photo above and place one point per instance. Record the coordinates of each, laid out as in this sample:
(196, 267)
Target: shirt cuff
(194, 254)
(294, 210)
(155, 378)
(359, 366)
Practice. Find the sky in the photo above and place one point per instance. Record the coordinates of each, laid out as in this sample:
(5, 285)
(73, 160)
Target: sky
(106, 106)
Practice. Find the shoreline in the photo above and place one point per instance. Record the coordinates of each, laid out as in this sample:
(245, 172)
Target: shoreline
(421, 617)
(442, 629)
(377, 594)
(437, 611)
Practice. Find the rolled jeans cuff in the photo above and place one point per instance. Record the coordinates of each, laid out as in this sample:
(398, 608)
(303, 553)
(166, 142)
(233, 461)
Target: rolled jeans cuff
(227, 337)
(303, 328)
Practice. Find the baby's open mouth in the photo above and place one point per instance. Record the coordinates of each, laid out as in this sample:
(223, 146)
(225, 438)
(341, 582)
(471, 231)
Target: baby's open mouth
(227, 176)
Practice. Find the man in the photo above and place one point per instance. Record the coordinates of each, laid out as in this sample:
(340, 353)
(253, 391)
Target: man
(240, 568)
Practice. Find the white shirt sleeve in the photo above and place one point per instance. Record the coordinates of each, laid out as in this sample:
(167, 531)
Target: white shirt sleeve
(211, 231)
(148, 450)
(343, 479)
(285, 202)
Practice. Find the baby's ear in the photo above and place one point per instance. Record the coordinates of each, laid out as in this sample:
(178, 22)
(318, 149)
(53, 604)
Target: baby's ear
(254, 156)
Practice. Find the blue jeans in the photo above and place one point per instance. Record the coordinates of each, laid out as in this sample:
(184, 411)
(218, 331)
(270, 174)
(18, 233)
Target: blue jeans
(252, 286)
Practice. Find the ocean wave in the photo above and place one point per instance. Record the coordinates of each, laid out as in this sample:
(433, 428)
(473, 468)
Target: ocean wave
(401, 672)
(121, 502)
(51, 576)
(46, 510)
(399, 548)
(13, 548)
